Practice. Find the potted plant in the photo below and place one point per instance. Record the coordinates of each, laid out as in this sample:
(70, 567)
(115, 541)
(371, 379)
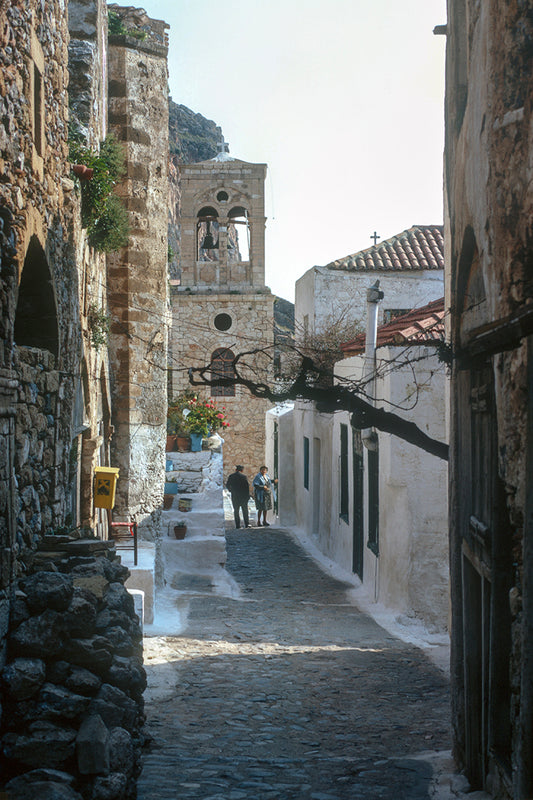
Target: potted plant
(171, 486)
(196, 417)
(203, 417)
(177, 429)
(180, 529)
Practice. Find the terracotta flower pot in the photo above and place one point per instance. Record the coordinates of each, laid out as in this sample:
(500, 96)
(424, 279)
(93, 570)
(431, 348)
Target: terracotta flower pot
(168, 499)
(179, 442)
(84, 173)
(183, 443)
(171, 443)
(180, 531)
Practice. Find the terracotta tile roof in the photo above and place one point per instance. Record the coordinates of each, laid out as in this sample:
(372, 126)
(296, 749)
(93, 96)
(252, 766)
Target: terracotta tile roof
(419, 247)
(420, 326)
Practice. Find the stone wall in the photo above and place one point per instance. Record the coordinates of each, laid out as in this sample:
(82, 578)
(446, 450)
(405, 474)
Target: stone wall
(489, 209)
(195, 337)
(39, 330)
(74, 678)
(55, 398)
(87, 52)
(138, 298)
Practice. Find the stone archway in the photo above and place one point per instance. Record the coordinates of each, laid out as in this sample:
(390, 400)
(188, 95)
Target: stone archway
(36, 323)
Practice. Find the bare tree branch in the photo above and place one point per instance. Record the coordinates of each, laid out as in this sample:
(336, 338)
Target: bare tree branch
(328, 399)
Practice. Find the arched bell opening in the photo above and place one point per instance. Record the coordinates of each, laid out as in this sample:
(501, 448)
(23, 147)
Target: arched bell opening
(238, 234)
(207, 234)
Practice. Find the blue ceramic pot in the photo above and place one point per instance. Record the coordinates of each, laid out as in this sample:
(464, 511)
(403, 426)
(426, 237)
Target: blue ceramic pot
(196, 442)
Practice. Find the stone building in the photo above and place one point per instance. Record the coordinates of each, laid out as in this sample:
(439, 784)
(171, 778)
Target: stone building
(87, 58)
(489, 209)
(41, 339)
(221, 306)
(138, 274)
(56, 379)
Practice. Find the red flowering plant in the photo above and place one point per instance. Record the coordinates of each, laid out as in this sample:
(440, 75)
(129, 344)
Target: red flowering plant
(194, 415)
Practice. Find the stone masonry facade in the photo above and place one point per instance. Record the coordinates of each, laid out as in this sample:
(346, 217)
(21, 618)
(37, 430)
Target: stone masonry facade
(244, 439)
(138, 115)
(489, 208)
(38, 359)
(56, 405)
(221, 302)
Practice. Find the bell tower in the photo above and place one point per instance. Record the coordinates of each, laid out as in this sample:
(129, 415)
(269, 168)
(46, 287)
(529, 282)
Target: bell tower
(223, 224)
(221, 306)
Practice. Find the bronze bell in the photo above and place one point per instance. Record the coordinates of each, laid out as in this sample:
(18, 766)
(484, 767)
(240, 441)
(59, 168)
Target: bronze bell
(208, 243)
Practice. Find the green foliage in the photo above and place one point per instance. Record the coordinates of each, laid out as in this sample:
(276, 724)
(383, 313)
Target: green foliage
(111, 230)
(102, 213)
(99, 326)
(188, 414)
(116, 27)
(112, 155)
(444, 352)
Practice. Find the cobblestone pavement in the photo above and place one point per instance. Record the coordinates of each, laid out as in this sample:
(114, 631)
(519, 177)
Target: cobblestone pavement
(288, 692)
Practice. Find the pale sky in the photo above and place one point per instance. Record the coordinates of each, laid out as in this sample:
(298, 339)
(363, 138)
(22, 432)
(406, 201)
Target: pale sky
(342, 99)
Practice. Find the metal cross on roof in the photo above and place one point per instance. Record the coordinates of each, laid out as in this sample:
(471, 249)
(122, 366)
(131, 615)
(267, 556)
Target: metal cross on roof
(375, 237)
(223, 146)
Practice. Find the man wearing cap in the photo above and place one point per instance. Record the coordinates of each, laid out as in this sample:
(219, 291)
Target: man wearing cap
(237, 485)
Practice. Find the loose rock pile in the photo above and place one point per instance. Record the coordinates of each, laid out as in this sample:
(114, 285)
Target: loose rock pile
(74, 677)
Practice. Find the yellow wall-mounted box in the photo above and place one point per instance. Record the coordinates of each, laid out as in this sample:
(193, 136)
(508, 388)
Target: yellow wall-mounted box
(105, 484)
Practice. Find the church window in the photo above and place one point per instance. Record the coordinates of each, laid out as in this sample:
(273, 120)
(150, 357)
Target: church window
(223, 322)
(222, 368)
(222, 196)
(238, 235)
(207, 234)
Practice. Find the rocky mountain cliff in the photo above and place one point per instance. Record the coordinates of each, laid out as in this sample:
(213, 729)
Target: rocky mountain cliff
(192, 137)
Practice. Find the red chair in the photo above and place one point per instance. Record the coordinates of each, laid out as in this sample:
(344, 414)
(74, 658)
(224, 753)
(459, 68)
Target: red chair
(124, 534)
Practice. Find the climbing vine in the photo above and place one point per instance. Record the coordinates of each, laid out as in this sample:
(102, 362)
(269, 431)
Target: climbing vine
(102, 212)
(98, 322)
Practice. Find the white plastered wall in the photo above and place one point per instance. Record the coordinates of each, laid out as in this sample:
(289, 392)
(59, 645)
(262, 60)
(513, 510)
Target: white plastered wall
(324, 294)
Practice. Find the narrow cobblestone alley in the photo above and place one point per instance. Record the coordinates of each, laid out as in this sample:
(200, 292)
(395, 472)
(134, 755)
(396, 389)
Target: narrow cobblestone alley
(288, 691)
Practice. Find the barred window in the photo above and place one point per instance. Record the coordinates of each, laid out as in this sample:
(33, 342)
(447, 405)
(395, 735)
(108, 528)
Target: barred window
(222, 367)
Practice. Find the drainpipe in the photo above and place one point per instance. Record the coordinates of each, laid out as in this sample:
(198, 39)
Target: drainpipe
(373, 296)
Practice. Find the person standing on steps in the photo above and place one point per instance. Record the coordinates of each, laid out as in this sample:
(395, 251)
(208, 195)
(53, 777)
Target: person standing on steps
(238, 487)
(263, 495)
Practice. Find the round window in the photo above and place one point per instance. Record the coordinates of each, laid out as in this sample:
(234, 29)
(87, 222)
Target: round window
(222, 196)
(223, 322)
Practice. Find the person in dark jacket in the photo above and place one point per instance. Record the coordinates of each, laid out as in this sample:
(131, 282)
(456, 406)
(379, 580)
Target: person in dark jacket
(237, 485)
